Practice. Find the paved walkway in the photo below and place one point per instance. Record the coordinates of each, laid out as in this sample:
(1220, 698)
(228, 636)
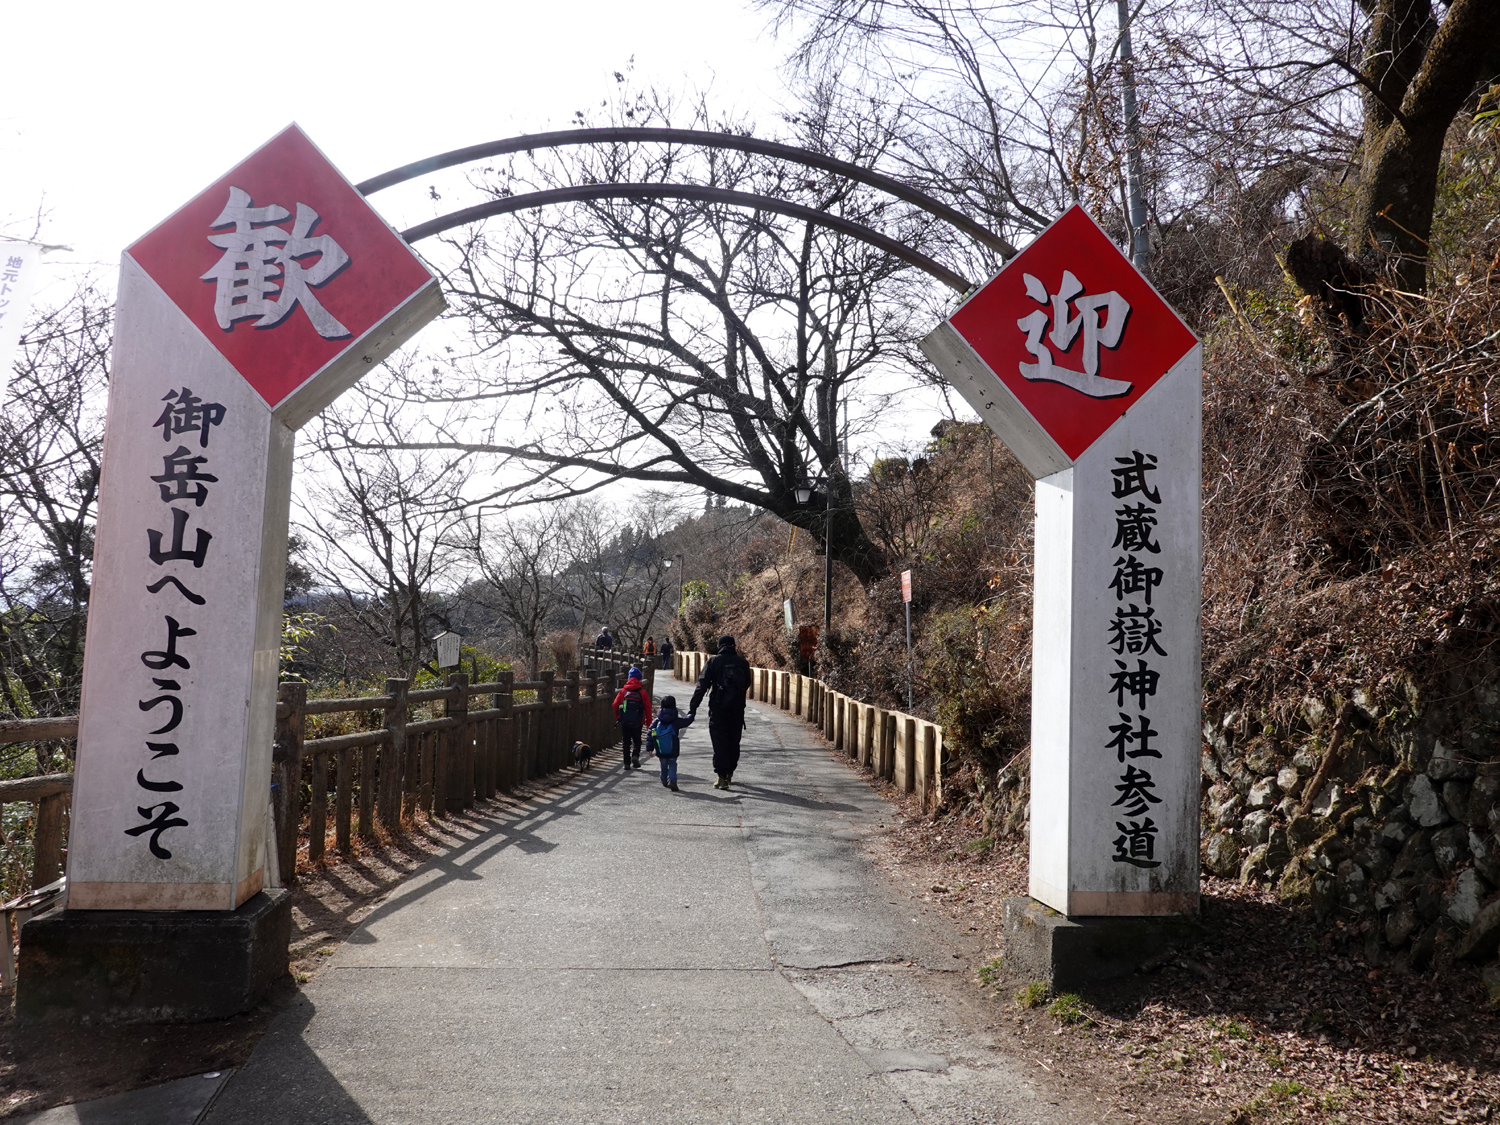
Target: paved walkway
(627, 954)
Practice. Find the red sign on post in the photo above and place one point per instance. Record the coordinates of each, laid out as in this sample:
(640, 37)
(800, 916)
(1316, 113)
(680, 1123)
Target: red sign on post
(1060, 344)
(906, 586)
(284, 268)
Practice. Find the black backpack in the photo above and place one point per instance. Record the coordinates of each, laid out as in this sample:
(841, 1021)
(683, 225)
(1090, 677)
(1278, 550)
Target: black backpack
(633, 707)
(732, 678)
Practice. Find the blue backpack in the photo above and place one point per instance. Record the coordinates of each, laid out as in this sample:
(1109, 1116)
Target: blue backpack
(664, 740)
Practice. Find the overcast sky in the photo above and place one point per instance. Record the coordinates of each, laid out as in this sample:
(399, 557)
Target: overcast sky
(114, 114)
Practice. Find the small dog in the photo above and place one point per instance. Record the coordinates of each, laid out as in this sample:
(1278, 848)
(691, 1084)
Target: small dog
(583, 753)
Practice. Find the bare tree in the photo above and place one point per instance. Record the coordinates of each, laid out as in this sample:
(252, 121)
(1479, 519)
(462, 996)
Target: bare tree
(617, 573)
(687, 344)
(51, 433)
(383, 525)
(520, 564)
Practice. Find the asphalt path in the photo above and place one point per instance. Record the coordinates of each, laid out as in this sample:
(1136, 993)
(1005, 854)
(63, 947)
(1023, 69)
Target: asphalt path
(621, 953)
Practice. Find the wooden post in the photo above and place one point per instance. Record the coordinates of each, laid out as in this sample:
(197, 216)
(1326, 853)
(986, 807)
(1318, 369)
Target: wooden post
(545, 724)
(342, 805)
(906, 753)
(317, 812)
(286, 775)
(46, 864)
(509, 768)
(572, 728)
(460, 743)
(392, 757)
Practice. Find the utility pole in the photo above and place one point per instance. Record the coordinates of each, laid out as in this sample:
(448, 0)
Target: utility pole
(828, 564)
(1135, 189)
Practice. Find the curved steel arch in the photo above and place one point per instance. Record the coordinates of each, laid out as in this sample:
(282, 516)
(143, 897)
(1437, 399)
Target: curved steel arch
(564, 137)
(686, 191)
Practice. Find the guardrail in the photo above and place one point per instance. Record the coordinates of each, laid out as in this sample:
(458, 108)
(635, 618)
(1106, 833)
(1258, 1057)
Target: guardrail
(379, 776)
(901, 748)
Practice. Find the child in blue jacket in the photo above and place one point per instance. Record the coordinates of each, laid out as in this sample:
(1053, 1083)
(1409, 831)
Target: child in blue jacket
(666, 739)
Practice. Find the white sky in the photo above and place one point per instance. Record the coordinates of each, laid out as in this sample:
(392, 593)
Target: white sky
(117, 113)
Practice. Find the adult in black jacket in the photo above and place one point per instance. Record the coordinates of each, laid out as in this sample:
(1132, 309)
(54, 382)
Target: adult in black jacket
(726, 677)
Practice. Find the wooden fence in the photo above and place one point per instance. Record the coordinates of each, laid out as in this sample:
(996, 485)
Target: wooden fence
(486, 739)
(898, 747)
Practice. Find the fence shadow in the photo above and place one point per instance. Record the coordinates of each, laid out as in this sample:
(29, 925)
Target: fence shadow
(506, 822)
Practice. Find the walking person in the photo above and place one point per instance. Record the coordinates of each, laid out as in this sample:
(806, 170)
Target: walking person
(604, 640)
(649, 650)
(666, 739)
(666, 652)
(726, 679)
(633, 710)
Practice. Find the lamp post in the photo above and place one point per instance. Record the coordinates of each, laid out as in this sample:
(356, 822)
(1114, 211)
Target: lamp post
(804, 493)
(681, 574)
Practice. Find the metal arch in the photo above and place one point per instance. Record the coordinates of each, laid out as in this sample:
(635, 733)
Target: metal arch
(687, 191)
(563, 137)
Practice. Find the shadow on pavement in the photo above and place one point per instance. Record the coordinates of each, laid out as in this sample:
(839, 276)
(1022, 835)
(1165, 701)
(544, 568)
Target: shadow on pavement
(781, 797)
(498, 830)
(285, 1083)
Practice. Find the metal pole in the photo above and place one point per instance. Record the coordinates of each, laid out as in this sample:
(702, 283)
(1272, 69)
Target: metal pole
(828, 564)
(1140, 241)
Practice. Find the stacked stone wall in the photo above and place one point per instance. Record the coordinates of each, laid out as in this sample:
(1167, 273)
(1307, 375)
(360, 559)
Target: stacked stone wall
(1400, 841)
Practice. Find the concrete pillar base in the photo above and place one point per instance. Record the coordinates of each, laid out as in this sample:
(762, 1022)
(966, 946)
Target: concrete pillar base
(152, 966)
(1071, 953)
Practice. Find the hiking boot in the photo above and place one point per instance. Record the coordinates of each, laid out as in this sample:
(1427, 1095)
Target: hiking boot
(636, 763)
(663, 783)
(673, 787)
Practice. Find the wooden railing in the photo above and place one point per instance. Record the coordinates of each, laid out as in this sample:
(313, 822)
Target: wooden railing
(483, 742)
(50, 793)
(901, 748)
(487, 739)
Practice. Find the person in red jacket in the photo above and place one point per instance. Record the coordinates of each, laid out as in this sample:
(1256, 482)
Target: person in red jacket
(633, 710)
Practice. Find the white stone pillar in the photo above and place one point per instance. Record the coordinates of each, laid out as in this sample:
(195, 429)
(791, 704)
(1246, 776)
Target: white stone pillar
(1115, 665)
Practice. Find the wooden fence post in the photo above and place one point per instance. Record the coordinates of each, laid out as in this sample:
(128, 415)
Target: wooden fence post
(286, 772)
(46, 864)
(460, 746)
(611, 728)
(545, 724)
(509, 768)
(567, 727)
(392, 758)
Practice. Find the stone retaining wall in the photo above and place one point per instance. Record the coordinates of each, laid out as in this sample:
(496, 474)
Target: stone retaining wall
(1385, 818)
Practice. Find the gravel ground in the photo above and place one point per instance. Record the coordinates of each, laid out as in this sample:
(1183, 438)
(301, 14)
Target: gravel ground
(1273, 1016)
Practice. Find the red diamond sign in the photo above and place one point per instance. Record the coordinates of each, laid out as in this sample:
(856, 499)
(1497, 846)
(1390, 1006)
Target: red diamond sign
(291, 275)
(1059, 344)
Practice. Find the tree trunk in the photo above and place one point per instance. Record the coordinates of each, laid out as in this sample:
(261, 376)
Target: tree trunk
(1418, 75)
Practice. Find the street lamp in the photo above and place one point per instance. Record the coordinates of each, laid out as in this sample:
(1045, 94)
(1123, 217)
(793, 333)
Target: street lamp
(681, 574)
(805, 492)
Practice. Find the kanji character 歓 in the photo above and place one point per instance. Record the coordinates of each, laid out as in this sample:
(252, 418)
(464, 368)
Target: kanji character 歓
(262, 275)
